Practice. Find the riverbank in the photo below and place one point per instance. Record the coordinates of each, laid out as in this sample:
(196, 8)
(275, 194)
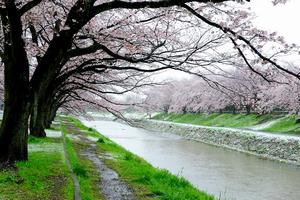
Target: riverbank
(76, 162)
(44, 176)
(271, 146)
(268, 123)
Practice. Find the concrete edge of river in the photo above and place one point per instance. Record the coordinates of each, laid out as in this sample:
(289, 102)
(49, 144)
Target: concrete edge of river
(275, 147)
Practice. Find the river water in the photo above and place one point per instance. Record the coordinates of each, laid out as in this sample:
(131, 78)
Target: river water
(221, 172)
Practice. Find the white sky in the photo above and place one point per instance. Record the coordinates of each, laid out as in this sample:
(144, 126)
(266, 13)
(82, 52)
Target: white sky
(282, 18)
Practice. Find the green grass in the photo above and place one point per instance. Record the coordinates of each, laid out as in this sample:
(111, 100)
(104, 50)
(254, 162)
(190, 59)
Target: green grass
(87, 130)
(77, 123)
(226, 120)
(35, 140)
(44, 176)
(83, 169)
(148, 182)
(285, 124)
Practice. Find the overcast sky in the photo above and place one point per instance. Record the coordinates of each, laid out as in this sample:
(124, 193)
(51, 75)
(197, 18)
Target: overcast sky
(282, 18)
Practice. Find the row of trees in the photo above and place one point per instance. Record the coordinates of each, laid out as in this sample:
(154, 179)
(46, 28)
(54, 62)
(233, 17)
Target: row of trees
(240, 91)
(64, 53)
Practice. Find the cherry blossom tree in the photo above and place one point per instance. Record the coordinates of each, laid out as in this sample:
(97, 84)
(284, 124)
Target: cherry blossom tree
(239, 90)
(40, 39)
(80, 86)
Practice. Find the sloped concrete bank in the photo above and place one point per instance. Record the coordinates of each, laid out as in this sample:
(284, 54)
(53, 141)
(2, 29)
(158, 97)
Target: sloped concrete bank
(275, 147)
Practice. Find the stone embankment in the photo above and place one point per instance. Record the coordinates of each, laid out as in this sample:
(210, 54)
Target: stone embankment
(276, 147)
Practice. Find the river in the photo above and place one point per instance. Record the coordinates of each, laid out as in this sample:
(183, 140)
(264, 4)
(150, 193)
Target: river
(224, 173)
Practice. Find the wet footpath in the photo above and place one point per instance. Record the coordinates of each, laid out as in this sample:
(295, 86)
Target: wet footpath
(111, 187)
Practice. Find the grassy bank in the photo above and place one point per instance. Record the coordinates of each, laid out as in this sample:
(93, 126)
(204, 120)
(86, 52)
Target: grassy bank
(44, 176)
(147, 182)
(285, 124)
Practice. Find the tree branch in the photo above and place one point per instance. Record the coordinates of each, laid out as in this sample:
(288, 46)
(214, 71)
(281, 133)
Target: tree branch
(239, 37)
(29, 6)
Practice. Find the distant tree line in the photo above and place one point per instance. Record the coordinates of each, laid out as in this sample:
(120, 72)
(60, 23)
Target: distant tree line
(240, 92)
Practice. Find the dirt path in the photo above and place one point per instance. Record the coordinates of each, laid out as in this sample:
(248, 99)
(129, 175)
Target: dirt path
(111, 186)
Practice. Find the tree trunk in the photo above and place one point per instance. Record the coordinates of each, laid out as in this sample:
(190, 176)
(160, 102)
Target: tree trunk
(37, 117)
(248, 109)
(14, 131)
(52, 115)
(14, 126)
(37, 127)
(48, 118)
(42, 115)
(233, 110)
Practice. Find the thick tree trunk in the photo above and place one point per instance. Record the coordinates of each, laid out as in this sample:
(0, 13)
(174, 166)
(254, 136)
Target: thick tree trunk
(47, 119)
(37, 117)
(52, 114)
(37, 126)
(14, 131)
(14, 126)
(42, 114)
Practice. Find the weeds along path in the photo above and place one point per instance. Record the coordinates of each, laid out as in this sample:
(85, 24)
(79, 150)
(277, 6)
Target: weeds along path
(110, 186)
(74, 177)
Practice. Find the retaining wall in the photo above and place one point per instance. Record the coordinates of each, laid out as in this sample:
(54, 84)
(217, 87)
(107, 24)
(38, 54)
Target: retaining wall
(281, 148)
